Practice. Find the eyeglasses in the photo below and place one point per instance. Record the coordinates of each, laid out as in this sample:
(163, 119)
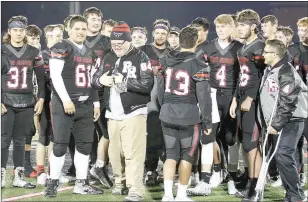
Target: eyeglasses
(266, 52)
(117, 45)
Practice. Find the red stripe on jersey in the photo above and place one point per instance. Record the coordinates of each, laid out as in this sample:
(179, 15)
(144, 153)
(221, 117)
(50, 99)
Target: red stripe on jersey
(59, 55)
(202, 75)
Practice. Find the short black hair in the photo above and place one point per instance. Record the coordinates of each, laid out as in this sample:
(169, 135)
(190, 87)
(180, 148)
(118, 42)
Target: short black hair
(199, 21)
(33, 30)
(92, 10)
(188, 37)
(77, 18)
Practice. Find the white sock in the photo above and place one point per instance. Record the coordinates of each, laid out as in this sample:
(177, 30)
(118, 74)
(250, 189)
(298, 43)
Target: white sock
(56, 165)
(168, 184)
(207, 154)
(181, 191)
(99, 163)
(81, 164)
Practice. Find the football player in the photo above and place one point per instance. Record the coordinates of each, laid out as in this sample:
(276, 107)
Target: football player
(107, 27)
(139, 36)
(251, 68)
(18, 102)
(269, 26)
(72, 101)
(100, 45)
(183, 83)
(155, 149)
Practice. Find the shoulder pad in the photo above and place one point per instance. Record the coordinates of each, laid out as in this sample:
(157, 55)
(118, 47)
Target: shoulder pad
(59, 50)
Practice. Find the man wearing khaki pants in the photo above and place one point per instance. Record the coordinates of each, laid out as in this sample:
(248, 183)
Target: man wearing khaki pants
(127, 79)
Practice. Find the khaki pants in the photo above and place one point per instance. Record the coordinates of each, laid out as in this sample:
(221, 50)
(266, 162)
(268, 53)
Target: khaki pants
(127, 150)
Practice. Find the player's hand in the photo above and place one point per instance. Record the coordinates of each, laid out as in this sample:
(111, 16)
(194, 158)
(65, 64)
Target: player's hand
(208, 131)
(3, 109)
(106, 80)
(245, 107)
(97, 113)
(118, 78)
(155, 70)
(39, 107)
(69, 107)
(233, 107)
(271, 130)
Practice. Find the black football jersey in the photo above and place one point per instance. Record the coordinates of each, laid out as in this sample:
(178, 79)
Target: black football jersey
(295, 53)
(304, 61)
(17, 85)
(251, 66)
(154, 54)
(46, 56)
(78, 65)
(223, 63)
(200, 50)
(99, 44)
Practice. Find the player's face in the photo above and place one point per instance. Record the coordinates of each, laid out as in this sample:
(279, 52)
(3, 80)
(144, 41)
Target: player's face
(224, 31)
(301, 31)
(280, 36)
(34, 41)
(268, 29)
(56, 36)
(120, 47)
(94, 23)
(107, 30)
(78, 32)
(138, 39)
(174, 40)
(17, 34)
(244, 30)
(202, 34)
(269, 55)
(160, 36)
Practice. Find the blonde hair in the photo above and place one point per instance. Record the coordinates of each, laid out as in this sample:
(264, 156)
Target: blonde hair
(302, 22)
(224, 19)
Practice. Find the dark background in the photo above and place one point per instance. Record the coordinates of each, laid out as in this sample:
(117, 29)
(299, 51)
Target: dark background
(144, 13)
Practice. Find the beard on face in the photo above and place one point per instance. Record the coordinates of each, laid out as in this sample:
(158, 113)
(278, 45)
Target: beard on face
(159, 43)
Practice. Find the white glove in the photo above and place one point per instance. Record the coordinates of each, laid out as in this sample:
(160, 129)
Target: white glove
(106, 80)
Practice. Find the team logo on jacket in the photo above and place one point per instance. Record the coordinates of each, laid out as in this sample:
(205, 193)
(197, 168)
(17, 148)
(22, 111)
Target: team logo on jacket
(272, 85)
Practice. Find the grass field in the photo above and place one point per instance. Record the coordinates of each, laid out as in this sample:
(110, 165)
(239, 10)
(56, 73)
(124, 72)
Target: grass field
(152, 194)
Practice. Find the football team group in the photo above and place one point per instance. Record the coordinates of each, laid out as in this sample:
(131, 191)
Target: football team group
(120, 105)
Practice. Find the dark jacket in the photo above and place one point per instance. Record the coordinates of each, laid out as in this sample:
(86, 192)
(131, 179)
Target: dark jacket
(283, 81)
(139, 81)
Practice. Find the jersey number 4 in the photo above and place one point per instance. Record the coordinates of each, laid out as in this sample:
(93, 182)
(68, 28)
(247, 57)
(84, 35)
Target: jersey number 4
(221, 76)
(18, 78)
(183, 81)
(82, 76)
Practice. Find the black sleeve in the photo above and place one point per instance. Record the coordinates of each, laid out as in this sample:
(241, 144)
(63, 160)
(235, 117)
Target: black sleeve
(145, 83)
(160, 85)
(5, 62)
(94, 94)
(258, 59)
(204, 96)
(40, 74)
(287, 100)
